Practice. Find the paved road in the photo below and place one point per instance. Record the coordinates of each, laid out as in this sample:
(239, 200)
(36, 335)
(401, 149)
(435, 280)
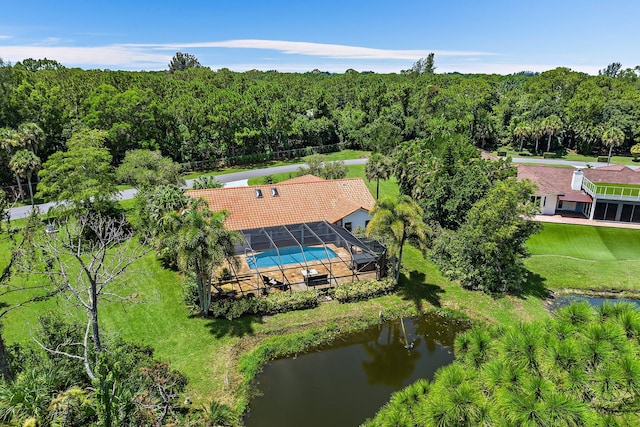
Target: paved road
(239, 178)
(230, 179)
(562, 162)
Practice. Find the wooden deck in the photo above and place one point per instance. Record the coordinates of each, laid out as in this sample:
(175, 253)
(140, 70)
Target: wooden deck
(249, 281)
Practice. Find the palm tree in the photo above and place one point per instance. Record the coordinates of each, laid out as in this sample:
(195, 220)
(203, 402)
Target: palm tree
(31, 136)
(522, 132)
(206, 181)
(612, 137)
(536, 133)
(551, 126)
(201, 243)
(24, 164)
(395, 221)
(378, 167)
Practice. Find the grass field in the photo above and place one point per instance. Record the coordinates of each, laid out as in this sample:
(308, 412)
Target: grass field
(338, 155)
(615, 160)
(586, 258)
(388, 187)
(208, 350)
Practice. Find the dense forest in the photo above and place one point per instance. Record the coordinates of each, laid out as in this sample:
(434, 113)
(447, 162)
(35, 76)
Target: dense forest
(201, 114)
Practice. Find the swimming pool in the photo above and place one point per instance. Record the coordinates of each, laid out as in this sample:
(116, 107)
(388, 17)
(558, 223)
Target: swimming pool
(293, 255)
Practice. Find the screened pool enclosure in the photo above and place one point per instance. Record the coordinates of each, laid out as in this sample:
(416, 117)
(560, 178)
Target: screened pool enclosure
(312, 255)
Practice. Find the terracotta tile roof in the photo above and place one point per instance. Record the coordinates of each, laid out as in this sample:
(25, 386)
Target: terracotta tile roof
(296, 202)
(303, 178)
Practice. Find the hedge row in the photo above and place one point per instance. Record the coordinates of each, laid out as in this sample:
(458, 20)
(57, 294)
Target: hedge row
(272, 304)
(364, 290)
(290, 301)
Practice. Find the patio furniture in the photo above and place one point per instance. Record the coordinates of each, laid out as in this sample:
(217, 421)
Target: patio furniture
(270, 282)
(312, 278)
(317, 279)
(309, 273)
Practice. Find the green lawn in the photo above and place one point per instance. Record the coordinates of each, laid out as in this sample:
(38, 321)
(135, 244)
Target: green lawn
(615, 160)
(586, 258)
(338, 155)
(388, 187)
(207, 350)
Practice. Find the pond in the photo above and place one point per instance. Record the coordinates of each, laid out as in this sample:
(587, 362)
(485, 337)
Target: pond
(565, 300)
(347, 382)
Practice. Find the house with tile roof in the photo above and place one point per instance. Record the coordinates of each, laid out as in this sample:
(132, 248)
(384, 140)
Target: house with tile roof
(296, 235)
(609, 193)
(345, 202)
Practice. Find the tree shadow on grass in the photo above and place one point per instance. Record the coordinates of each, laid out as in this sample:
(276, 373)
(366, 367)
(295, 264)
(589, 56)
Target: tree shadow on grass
(416, 289)
(220, 328)
(533, 287)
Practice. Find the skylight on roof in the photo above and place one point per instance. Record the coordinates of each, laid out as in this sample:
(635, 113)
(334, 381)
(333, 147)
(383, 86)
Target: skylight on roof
(274, 192)
(258, 193)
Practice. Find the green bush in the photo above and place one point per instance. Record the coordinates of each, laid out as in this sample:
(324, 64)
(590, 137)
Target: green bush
(635, 152)
(272, 304)
(361, 291)
(602, 159)
(502, 152)
(549, 155)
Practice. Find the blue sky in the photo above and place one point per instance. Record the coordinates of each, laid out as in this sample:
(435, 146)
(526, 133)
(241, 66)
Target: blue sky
(383, 36)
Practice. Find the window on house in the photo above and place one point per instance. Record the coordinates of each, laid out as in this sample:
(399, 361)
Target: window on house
(274, 192)
(258, 193)
(366, 223)
(348, 226)
(559, 204)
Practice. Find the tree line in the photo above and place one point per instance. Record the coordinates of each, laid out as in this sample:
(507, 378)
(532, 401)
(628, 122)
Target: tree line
(194, 113)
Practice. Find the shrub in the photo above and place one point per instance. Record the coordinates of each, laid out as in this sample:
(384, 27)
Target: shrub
(287, 301)
(502, 152)
(549, 155)
(275, 303)
(635, 152)
(361, 291)
(602, 159)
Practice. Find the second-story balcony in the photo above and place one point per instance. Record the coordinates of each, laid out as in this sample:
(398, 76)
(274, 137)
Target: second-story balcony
(606, 191)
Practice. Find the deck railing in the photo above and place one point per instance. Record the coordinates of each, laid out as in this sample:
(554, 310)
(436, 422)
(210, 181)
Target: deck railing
(611, 192)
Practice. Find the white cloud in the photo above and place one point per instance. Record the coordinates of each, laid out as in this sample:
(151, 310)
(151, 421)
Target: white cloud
(315, 49)
(4, 37)
(99, 56)
(326, 57)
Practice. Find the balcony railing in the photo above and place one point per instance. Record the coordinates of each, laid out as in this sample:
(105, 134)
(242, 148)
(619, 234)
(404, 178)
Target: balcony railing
(611, 192)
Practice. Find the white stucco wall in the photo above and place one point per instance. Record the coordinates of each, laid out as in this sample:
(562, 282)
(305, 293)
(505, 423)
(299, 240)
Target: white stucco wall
(548, 204)
(568, 206)
(357, 219)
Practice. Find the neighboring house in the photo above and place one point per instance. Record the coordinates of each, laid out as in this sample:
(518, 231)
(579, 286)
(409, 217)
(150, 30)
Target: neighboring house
(610, 193)
(305, 199)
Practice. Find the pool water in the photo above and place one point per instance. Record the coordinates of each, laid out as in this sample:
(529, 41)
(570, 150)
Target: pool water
(293, 255)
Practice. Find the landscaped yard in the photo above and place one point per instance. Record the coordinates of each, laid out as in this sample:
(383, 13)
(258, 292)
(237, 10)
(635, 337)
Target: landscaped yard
(587, 258)
(207, 350)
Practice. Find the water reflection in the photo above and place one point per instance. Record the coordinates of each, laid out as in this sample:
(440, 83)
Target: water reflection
(565, 300)
(390, 361)
(347, 382)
